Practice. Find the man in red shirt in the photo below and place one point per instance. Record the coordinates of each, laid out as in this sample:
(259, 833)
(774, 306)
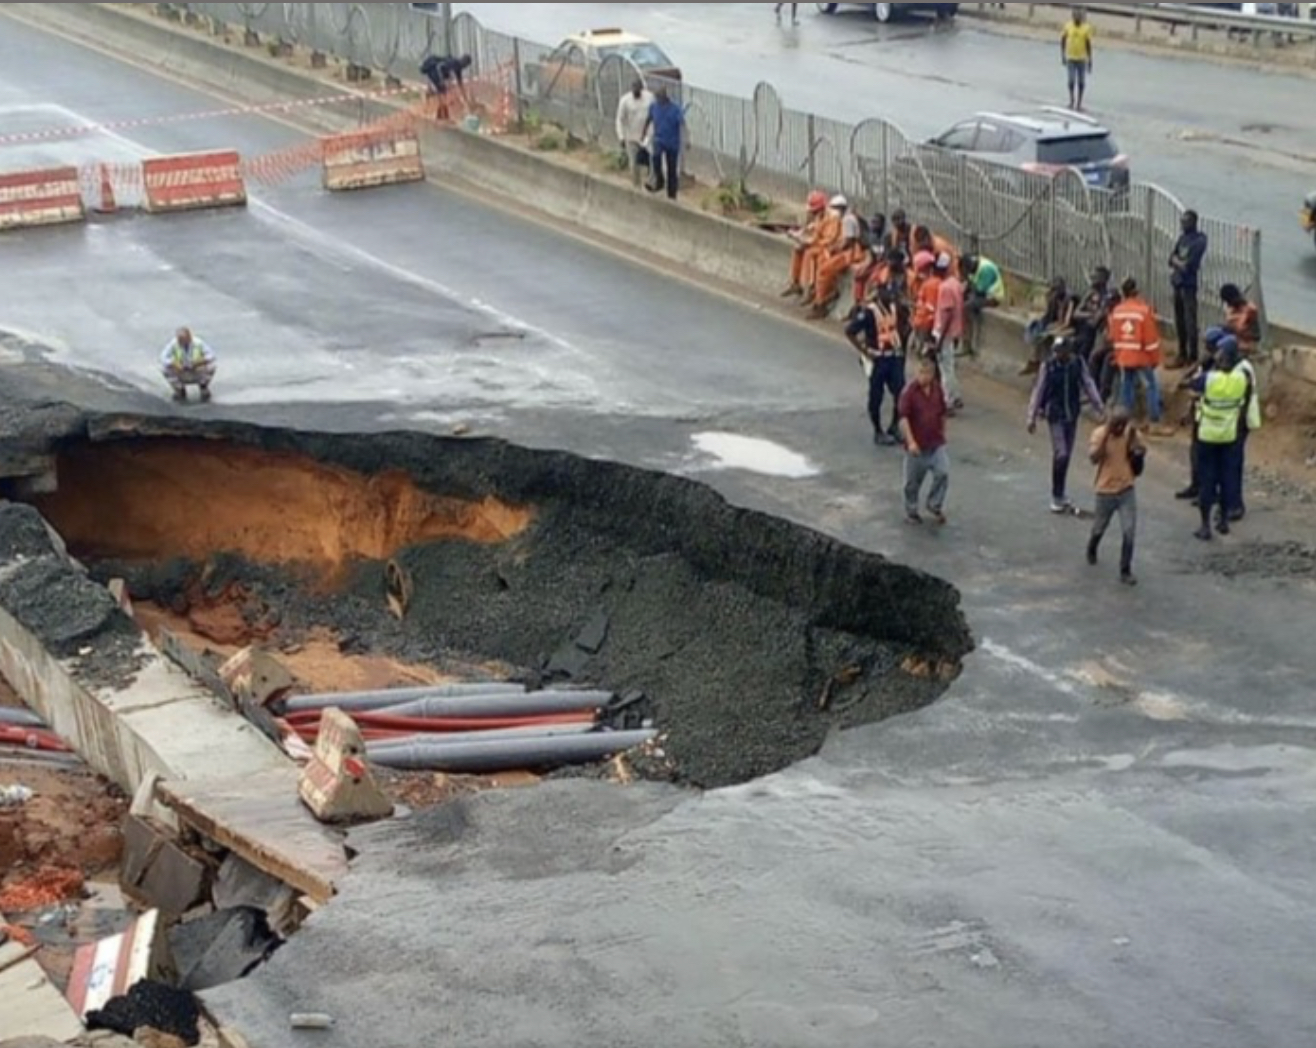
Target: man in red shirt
(923, 426)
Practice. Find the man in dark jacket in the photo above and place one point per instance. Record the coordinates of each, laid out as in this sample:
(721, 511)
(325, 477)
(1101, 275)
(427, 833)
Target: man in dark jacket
(1185, 277)
(1062, 385)
(444, 73)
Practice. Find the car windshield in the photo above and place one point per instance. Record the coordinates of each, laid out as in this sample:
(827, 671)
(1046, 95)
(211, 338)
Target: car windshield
(1076, 149)
(645, 56)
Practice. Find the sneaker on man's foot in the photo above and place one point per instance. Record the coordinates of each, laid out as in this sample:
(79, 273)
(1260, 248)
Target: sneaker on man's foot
(1203, 534)
(1128, 580)
(1061, 507)
(913, 519)
(1189, 494)
(1222, 526)
(792, 291)
(938, 517)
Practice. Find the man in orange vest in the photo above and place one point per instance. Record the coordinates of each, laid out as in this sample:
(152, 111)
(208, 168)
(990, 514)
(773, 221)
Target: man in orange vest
(804, 259)
(846, 251)
(883, 358)
(1135, 339)
(1242, 319)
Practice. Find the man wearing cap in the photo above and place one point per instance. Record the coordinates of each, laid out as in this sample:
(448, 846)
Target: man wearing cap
(846, 251)
(809, 240)
(1062, 386)
(1223, 394)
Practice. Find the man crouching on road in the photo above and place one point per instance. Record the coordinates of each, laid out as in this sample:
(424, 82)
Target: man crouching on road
(187, 361)
(923, 412)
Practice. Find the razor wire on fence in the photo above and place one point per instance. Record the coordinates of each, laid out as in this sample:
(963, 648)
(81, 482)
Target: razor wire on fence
(1036, 226)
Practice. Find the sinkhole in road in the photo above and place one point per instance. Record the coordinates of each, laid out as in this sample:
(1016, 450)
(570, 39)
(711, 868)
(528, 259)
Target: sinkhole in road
(750, 637)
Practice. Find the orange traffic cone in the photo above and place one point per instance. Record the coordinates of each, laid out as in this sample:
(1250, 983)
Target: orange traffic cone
(108, 205)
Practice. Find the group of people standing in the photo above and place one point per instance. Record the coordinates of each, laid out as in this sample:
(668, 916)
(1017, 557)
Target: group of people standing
(651, 130)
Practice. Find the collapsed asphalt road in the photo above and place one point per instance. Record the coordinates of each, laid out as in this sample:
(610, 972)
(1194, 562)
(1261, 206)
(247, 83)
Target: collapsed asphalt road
(751, 638)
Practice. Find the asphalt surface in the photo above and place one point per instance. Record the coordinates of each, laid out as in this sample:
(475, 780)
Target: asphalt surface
(1102, 836)
(1232, 141)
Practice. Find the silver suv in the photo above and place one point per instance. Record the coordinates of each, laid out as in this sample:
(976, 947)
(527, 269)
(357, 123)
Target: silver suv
(1047, 140)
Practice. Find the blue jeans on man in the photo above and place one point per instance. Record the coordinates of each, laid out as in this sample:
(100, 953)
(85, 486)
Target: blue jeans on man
(1148, 380)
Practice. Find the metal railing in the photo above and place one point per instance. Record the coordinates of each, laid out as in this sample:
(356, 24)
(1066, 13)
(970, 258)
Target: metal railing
(1035, 226)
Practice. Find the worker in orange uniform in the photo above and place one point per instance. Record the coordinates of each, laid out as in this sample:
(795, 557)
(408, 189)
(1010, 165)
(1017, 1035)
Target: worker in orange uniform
(936, 246)
(808, 246)
(1242, 320)
(847, 251)
(1135, 338)
(926, 298)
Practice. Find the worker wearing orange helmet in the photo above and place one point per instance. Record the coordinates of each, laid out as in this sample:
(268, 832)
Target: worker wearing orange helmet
(809, 245)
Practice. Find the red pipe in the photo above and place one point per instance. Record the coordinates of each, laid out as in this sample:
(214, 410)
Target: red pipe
(420, 726)
(33, 739)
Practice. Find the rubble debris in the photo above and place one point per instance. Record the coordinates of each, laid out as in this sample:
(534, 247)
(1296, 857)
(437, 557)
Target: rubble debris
(158, 873)
(108, 969)
(239, 884)
(222, 948)
(152, 1004)
(337, 784)
(150, 1038)
(14, 796)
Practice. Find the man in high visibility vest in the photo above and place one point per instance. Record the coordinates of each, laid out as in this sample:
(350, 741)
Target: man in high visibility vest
(1224, 394)
(187, 361)
(883, 357)
(1135, 339)
(1250, 422)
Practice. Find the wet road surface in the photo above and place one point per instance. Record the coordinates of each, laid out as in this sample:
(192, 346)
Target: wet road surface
(1232, 141)
(1102, 836)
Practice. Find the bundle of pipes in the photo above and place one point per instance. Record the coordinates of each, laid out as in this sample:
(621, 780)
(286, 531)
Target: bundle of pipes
(472, 755)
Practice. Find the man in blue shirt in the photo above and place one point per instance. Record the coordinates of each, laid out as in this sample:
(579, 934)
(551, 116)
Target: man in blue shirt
(666, 121)
(1185, 276)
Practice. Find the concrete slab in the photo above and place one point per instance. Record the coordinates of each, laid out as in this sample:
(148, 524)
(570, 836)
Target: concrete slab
(261, 819)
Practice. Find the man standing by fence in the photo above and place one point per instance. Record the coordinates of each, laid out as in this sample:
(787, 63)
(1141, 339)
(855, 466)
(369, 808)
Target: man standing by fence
(1076, 54)
(632, 124)
(1185, 277)
(1135, 338)
(667, 123)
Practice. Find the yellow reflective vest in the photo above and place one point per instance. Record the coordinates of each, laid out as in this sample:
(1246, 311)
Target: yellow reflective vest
(1221, 407)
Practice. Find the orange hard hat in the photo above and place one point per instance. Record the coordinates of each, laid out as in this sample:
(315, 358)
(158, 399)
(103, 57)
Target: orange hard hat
(817, 200)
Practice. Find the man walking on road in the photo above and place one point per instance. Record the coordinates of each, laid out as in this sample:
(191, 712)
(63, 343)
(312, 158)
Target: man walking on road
(1064, 383)
(632, 124)
(923, 426)
(667, 123)
(1076, 55)
(1119, 456)
(1185, 277)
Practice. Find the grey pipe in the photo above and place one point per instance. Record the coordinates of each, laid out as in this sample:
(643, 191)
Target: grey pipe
(20, 718)
(496, 735)
(375, 700)
(484, 758)
(528, 704)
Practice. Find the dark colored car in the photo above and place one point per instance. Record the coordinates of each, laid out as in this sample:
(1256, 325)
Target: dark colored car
(1046, 141)
(890, 12)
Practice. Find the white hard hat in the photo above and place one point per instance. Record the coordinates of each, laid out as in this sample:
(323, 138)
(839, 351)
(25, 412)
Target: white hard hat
(839, 201)
(943, 261)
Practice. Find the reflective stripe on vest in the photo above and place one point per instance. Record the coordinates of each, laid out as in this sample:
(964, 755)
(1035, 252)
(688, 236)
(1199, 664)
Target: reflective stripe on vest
(1221, 408)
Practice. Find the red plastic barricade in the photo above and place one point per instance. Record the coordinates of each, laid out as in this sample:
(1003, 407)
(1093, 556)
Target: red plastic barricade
(41, 198)
(384, 156)
(193, 181)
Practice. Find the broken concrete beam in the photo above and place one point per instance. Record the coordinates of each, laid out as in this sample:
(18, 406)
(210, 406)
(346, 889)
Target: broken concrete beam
(221, 949)
(338, 785)
(157, 872)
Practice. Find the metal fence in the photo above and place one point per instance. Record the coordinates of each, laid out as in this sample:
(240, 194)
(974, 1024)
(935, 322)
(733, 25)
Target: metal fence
(1035, 226)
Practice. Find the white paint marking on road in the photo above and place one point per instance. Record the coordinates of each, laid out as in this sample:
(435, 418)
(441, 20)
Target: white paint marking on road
(729, 451)
(1028, 666)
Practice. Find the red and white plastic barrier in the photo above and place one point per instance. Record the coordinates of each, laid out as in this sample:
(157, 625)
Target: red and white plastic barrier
(41, 198)
(379, 157)
(192, 181)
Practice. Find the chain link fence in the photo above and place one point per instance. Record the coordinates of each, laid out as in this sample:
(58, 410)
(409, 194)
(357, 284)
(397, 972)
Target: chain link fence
(1035, 226)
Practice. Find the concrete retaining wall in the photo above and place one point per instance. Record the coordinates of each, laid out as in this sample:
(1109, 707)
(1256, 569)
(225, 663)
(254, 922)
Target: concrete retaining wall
(90, 672)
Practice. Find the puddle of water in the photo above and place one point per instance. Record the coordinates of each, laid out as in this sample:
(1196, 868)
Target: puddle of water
(729, 451)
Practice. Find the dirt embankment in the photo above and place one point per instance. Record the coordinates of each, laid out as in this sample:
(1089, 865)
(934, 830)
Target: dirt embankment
(751, 637)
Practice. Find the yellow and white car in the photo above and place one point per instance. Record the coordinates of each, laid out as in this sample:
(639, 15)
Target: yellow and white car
(569, 67)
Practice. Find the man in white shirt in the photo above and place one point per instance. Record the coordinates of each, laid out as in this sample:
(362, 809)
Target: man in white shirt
(632, 129)
(187, 361)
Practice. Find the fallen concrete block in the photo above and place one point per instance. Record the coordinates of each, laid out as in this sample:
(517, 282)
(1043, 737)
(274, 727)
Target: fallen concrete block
(142, 841)
(221, 949)
(239, 884)
(175, 882)
(338, 785)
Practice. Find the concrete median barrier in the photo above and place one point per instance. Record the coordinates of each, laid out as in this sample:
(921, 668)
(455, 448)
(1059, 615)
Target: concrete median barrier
(368, 159)
(194, 181)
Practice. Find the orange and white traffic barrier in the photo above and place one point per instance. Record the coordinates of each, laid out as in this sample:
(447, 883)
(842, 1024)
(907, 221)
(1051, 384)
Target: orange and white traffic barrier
(41, 198)
(194, 180)
(384, 156)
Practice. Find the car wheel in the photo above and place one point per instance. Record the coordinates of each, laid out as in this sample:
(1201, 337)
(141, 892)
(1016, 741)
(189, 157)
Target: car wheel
(827, 9)
(884, 12)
